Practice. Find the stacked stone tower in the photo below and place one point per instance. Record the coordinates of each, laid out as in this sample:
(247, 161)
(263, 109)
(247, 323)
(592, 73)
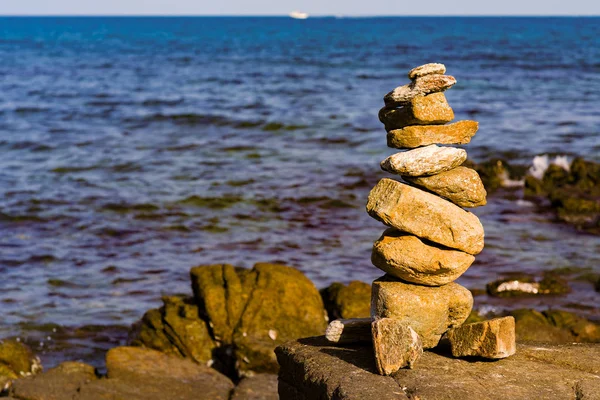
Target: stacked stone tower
(431, 239)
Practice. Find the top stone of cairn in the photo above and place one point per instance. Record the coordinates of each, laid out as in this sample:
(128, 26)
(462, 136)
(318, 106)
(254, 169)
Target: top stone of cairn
(427, 69)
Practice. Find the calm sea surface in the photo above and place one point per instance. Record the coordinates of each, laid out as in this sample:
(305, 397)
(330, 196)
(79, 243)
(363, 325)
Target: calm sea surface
(132, 149)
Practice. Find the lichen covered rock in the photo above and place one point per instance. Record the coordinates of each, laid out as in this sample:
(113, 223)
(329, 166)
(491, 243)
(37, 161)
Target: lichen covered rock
(347, 301)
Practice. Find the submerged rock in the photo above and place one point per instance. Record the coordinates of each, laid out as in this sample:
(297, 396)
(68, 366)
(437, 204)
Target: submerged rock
(431, 109)
(526, 285)
(347, 301)
(430, 311)
(424, 161)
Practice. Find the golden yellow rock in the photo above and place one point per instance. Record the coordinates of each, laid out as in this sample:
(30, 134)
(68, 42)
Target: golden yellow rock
(407, 257)
(428, 160)
(429, 310)
(396, 345)
(489, 339)
(420, 110)
(413, 136)
(425, 215)
(460, 185)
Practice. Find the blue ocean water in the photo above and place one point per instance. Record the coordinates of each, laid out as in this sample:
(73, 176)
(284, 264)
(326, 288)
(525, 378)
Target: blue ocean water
(134, 148)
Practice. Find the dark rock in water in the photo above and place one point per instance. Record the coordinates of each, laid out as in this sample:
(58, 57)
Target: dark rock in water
(554, 326)
(310, 369)
(347, 301)
(59, 383)
(497, 173)
(526, 285)
(257, 387)
(597, 286)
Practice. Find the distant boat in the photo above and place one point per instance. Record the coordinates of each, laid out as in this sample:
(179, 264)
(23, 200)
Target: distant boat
(298, 15)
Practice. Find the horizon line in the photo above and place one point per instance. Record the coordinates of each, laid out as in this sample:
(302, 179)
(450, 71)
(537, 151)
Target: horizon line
(310, 15)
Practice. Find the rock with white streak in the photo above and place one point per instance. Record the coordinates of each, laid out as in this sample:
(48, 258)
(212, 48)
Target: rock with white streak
(460, 185)
(396, 345)
(427, 69)
(407, 257)
(421, 110)
(425, 215)
(424, 161)
(489, 339)
(421, 86)
(345, 331)
(413, 136)
(429, 310)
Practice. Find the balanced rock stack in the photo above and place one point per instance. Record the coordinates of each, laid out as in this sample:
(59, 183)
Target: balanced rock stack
(431, 239)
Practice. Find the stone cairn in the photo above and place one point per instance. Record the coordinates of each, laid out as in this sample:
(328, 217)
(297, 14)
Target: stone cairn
(431, 239)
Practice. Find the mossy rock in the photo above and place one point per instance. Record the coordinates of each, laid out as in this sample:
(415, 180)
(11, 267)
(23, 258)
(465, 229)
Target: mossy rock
(18, 357)
(475, 316)
(582, 329)
(150, 332)
(532, 326)
(347, 301)
(283, 305)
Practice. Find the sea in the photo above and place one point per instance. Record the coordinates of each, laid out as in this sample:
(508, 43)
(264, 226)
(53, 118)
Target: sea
(132, 149)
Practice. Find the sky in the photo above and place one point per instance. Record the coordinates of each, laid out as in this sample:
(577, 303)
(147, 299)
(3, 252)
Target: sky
(313, 7)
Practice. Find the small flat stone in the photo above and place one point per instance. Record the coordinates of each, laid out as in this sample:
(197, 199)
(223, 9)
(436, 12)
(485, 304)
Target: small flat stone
(407, 257)
(344, 331)
(421, 110)
(460, 185)
(427, 69)
(429, 310)
(396, 345)
(489, 339)
(413, 136)
(424, 161)
(425, 215)
(421, 86)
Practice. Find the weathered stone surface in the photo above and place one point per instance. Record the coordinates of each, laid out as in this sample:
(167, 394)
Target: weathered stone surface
(428, 160)
(430, 311)
(356, 330)
(407, 257)
(420, 110)
(58, 383)
(554, 326)
(460, 185)
(489, 339)
(534, 372)
(427, 69)
(347, 301)
(414, 136)
(220, 294)
(284, 304)
(425, 215)
(396, 345)
(146, 371)
(421, 86)
(19, 357)
(257, 387)
(312, 368)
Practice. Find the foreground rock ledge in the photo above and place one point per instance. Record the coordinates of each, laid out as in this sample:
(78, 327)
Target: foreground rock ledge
(313, 369)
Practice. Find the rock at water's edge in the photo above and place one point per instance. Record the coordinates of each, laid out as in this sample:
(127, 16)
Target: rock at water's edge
(347, 301)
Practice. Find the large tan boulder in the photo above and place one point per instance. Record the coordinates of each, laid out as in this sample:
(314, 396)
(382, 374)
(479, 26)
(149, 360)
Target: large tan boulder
(425, 215)
(407, 257)
(460, 185)
(430, 311)
(421, 86)
(420, 110)
(414, 136)
(429, 160)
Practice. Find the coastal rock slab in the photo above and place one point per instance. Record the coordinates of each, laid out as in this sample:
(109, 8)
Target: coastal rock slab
(420, 110)
(424, 161)
(427, 69)
(421, 86)
(396, 345)
(489, 339)
(407, 257)
(355, 330)
(59, 383)
(460, 185)
(414, 136)
(425, 215)
(257, 387)
(430, 311)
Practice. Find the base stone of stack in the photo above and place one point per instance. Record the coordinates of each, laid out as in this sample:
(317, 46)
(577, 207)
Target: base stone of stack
(414, 136)
(489, 339)
(430, 311)
(425, 215)
(396, 345)
(420, 110)
(407, 257)
(421, 86)
(460, 185)
(429, 160)
(313, 369)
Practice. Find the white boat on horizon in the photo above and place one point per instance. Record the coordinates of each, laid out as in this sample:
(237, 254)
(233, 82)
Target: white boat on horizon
(298, 15)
